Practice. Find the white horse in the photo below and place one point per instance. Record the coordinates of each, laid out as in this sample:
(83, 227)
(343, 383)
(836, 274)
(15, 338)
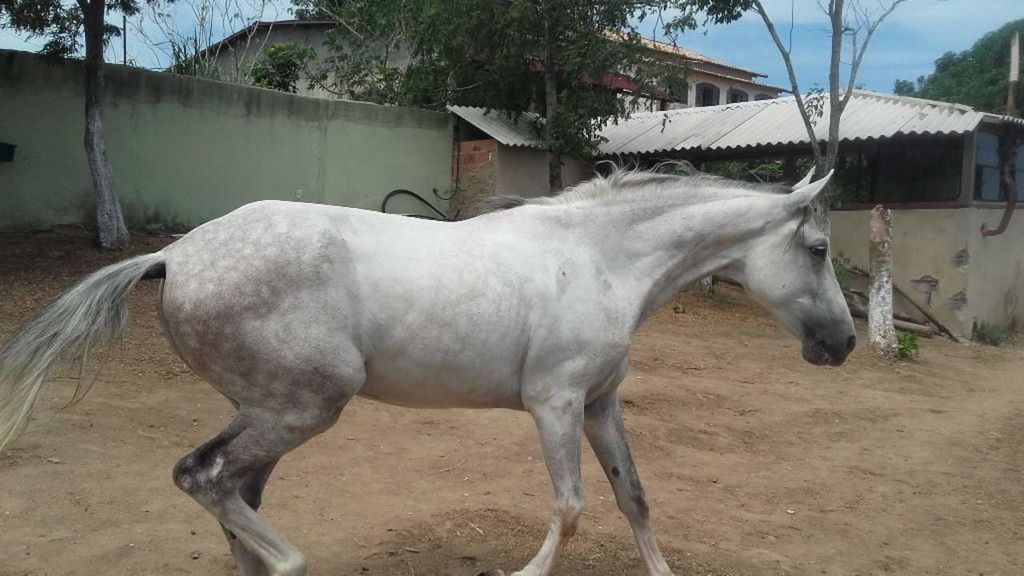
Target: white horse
(289, 310)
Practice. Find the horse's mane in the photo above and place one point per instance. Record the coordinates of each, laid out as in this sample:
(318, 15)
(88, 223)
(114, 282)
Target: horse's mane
(633, 186)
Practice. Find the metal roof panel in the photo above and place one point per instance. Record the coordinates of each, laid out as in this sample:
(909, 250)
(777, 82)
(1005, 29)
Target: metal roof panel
(868, 116)
(498, 125)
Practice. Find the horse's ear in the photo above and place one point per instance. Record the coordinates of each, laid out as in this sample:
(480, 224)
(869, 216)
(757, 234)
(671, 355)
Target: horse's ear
(804, 181)
(801, 197)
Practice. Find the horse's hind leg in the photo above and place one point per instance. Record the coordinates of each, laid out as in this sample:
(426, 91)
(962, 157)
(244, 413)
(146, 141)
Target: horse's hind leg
(230, 469)
(252, 492)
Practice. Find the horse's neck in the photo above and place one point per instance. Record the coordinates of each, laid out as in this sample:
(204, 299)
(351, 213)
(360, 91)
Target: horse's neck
(658, 251)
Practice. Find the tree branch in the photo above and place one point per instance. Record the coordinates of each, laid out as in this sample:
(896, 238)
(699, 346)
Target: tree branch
(786, 57)
(859, 54)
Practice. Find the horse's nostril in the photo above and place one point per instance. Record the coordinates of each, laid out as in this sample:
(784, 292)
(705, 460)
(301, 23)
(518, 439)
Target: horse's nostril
(851, 343)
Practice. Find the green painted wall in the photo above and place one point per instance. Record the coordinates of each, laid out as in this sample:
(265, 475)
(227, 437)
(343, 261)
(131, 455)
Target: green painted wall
(184, 150)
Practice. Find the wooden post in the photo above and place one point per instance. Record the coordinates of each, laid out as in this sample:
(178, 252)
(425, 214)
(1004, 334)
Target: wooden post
(789, 168)
(881, 332)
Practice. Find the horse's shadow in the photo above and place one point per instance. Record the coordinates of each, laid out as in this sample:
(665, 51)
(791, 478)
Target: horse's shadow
(470, 542)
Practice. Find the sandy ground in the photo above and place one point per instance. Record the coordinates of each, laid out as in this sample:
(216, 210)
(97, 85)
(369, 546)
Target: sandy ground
(754, 462)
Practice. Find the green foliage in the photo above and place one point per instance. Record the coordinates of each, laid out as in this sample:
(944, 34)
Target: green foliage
(815, 103)
(907, 346)
(841, 266)
(432, 53)
(61, 23)
(904, 88)
(282, 66)
(976, 77)
(989, 334)
(763, 171)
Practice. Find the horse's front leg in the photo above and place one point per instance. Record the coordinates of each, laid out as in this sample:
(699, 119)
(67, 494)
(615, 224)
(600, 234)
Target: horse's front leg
(607, 436)
(560, 424)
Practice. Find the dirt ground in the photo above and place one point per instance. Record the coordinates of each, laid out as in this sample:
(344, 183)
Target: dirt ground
(754, 462)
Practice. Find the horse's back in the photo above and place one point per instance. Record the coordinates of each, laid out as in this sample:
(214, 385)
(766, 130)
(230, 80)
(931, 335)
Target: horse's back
(435, 313)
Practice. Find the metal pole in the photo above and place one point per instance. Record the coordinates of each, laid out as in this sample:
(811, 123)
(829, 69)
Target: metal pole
(124, 39)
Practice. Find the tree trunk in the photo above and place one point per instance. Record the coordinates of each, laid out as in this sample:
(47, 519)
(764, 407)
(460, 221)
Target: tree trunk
(551, 110)
(822, 203)
(111, 233)
(881, 332)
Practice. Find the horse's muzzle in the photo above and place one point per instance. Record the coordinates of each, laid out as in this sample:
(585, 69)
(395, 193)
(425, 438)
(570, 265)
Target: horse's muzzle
(830, 352)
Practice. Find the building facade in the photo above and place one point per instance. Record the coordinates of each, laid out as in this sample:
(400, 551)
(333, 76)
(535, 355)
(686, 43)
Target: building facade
(710, 81)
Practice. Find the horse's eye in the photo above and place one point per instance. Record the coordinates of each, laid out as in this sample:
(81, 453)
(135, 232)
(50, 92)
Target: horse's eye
(819, 251)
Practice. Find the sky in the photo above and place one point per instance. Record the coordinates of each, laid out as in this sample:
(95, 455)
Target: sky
(904, 47)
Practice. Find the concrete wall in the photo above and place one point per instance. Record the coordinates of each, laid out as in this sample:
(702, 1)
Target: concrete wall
(996, 268)
(184, 150)
(977, 279)
(524, 172)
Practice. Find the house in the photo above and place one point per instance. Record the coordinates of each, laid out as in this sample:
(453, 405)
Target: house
(711, 82)
(234, 56)
(935, 164)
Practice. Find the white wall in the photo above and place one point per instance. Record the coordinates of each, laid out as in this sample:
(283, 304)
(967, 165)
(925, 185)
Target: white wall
(947, 245)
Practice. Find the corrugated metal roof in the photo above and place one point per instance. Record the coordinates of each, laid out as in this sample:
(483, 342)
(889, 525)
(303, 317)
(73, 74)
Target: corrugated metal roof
(498, 125)
(868, 116)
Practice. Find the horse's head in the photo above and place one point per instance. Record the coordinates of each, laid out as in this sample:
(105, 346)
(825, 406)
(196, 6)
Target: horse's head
(788, 270)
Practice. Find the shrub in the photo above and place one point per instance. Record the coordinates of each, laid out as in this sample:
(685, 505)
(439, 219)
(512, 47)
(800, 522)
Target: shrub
(989, 334)
(907, 345)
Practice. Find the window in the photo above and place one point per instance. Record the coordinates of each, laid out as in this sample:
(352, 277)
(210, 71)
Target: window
(919, 171)
(763, 96)
(736, 95)
(986, 169)
(707, 94)
(902, 171)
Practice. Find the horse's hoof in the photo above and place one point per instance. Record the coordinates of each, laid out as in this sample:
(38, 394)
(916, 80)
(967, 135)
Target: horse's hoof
(494, 572)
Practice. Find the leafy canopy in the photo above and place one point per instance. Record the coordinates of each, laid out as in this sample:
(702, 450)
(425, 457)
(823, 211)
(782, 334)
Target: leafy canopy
(60, 22)
(432, 53)
(976, 77)
(281, 67)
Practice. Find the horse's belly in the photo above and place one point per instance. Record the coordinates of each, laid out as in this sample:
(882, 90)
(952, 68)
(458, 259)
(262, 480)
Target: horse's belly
(405, 384)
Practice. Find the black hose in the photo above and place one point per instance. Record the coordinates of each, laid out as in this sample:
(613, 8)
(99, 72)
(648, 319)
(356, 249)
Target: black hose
(401, 192)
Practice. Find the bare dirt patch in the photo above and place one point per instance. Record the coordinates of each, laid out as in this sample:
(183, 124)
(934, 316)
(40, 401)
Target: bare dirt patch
(754, 462)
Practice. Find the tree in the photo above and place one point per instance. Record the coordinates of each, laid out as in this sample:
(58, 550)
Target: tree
(852, 24)
(904, 88)
(281, 67)
(558, 58)
(66, 25)
(975, 77)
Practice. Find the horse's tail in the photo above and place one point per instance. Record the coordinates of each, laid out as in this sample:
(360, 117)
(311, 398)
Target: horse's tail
(92, 311)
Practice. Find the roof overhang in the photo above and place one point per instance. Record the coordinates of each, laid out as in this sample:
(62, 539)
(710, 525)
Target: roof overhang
(509, 129)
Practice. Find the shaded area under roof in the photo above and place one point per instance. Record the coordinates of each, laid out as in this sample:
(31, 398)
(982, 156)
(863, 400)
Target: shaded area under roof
(498, 125)
(768, 123)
